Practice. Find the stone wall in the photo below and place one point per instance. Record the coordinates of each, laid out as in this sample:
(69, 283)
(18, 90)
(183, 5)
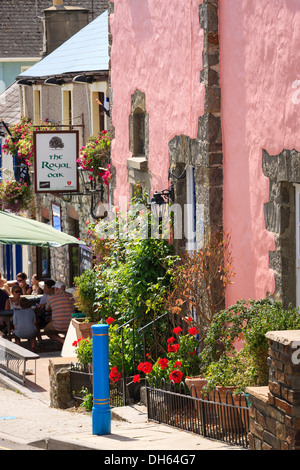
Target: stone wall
(205, 153)
(283, 171)
(275, 410)
(60, 384)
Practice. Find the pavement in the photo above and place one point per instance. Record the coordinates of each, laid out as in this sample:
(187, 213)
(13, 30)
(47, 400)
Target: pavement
(27, 418)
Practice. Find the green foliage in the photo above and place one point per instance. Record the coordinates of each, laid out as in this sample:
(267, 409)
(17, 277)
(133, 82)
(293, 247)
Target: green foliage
(116, 357)
(85, 294)
(248, 323)
(237, 370)
(87, 402)
(84, 350)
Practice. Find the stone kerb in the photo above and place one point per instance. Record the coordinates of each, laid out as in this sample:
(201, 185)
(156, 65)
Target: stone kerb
(275, 409)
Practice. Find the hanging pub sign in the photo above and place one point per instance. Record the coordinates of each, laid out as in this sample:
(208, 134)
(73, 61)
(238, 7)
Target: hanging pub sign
(55, 155)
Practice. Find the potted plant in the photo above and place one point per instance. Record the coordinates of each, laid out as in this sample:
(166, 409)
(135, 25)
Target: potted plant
(15, 196)
(94, 157)
(85, 294)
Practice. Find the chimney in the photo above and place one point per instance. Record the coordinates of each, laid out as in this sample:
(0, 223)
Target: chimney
(60, 23)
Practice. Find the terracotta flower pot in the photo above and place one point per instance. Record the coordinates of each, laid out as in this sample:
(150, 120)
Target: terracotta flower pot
(83, 328)
(195, 385)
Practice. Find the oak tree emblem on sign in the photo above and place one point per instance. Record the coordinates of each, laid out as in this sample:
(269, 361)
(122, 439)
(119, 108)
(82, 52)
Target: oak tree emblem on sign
(56, 143)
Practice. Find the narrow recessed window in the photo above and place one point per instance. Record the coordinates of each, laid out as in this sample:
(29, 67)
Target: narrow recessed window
(138, 132)
(37, 106)
(67, 108)
(98, 113)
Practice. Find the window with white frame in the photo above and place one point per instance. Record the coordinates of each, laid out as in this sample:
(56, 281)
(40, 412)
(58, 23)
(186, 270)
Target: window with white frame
(37, 105)
(67, 106)
(98, 100)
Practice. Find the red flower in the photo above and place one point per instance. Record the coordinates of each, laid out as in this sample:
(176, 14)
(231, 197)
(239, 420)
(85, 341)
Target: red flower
(114, 375)
(173, 347)
(136, 378)
(109, 320)
(176, 376)
(170, 340)
(75, 343)
(177, 365)
(145, 367)
(163, 363)
(192, 331)
(177, 330)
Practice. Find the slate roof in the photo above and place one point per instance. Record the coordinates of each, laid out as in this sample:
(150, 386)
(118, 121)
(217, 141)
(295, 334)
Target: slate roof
(21, 27)
(10, 104)
(86, 51)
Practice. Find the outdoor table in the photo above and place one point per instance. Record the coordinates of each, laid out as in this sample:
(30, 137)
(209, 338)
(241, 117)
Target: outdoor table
(33, 299)
(7, 316)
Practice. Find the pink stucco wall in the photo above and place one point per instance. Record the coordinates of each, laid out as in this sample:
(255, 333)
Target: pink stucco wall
(259, 63)
(156, 48)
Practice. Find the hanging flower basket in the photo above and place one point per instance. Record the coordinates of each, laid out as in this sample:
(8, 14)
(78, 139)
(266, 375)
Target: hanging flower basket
(94, 157)
(20, 141)
(15, 196)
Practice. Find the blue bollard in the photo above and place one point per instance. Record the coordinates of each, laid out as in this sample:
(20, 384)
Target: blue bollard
(101, 414)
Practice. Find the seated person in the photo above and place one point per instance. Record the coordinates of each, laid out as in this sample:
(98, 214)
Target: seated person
(21, 281)
(48, 291)
(36, 290)
(13, 302)
(3, 285)
(24, 323)
(3, 299)
(61, 305)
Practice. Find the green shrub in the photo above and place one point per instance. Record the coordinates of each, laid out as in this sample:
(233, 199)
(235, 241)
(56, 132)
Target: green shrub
(85, 294)
(248, 323)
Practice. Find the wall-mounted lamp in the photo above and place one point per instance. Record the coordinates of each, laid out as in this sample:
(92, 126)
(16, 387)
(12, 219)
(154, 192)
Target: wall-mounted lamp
(53, 81)
(25, 82)
(159, 201)
(92, 187)
(83, 79)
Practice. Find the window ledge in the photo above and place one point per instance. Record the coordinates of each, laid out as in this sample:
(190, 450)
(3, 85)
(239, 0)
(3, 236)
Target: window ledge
(137, 163)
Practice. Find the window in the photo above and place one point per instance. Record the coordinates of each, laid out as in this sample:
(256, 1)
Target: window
(37, 106)
(139, 129)
(138, 132)
(67, 109)
(98, 115)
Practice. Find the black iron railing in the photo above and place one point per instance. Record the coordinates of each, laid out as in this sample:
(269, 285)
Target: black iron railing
(81, 383)
(224, 421)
